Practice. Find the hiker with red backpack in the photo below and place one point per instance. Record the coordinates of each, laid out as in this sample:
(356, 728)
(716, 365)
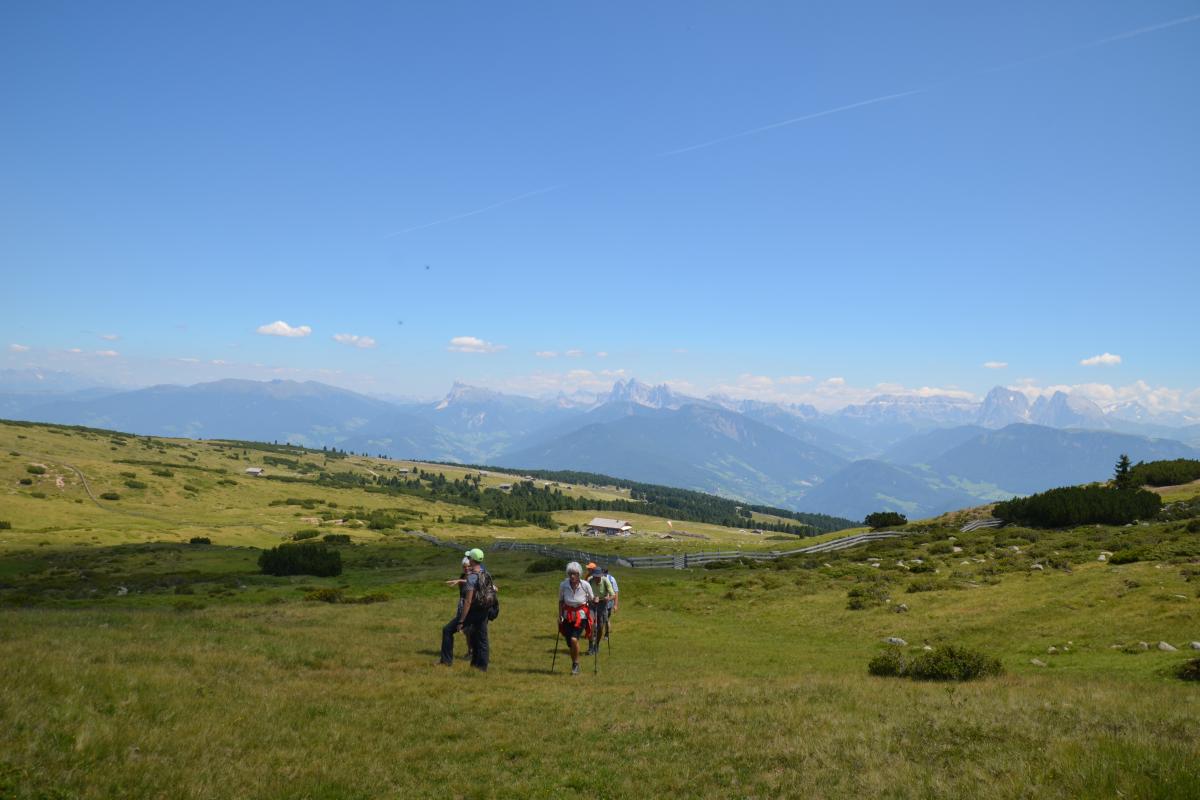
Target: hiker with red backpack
(574, 616)
(480, 606)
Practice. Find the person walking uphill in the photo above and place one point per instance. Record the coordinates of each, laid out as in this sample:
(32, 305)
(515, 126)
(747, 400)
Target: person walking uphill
(574, 618)
(478, 599)
(601, 598)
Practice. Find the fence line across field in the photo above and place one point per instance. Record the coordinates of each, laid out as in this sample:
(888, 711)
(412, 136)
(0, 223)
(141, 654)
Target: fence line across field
(680, 561)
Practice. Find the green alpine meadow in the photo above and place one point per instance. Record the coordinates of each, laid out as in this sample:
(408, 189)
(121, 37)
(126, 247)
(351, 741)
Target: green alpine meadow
(145, 652)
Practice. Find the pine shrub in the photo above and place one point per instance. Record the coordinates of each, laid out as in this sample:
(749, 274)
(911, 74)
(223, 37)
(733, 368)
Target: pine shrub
(301, 559)
(953, 663)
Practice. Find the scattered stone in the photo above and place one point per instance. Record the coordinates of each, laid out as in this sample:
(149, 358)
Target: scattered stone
(964, 563)
(1106, 552)
(1014, 548)
(1143, 645)
(1116, 647)
(903, 607)
(1037, 662)
(896, 640)
(122, 591)
(918, 561)
(875, 565)
(1167, 647)
(1180, 596)
(1195, 645)
(956, 549)
(1052, 650)
(1102, 557)
(1037, 566)
(927, 648)
(829, 565)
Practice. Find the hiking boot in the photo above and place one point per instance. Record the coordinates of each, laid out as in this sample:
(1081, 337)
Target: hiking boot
(575, 668)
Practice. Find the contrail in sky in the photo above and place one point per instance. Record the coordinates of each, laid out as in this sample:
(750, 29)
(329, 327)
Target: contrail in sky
(1131, 34)
(466, 214)
(827, 112)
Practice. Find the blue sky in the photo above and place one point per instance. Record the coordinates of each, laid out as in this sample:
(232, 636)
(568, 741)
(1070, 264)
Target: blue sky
(180, 177)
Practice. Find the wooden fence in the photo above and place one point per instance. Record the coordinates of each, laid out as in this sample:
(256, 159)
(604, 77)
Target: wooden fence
(680, 561)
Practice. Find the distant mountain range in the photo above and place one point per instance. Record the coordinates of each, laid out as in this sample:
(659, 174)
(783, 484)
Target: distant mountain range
(918, 455)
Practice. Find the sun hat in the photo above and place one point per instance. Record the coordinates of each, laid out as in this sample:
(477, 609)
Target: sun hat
(475, 554)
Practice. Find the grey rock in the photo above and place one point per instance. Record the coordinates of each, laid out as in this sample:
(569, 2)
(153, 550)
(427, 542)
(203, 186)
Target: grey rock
(956, 549)
(901, 608)
(1102, 557)
(927, 648)
(1167, 647)
(1037, 662)
(896, 640)
(1052, 650)
(1037, 567)
(1143, 645)
(122, 591)
(1195, 645)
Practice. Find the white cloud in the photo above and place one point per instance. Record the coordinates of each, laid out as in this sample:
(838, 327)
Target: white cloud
(281, 328)
(108, 353)
(680, 350)
(75, 350)
(995, 364)
(473, 344)
(835, 381)
(109, 337)
(795, 380)
(546, 354)
(602, 354)
(1102, 360)
(219, 362)
(189, 360)
(1156, 399)
(18, 348)
(574, 353)
(353, 340)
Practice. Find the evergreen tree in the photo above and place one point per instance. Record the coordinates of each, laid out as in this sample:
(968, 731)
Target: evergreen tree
(1122, 478)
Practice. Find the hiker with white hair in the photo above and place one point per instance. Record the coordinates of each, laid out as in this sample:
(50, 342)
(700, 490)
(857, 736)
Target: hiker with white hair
(574, 616)
(461, 583)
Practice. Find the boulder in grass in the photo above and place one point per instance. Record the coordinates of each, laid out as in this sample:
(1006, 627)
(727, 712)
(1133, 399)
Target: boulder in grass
(1167, 647)
(896, 640)
(1195, 645)
(1037, 662)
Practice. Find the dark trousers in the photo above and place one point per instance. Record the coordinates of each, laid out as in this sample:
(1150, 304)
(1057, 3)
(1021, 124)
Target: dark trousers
(477, 639)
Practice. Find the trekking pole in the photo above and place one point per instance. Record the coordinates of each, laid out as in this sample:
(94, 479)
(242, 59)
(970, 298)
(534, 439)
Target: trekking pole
(554, 660)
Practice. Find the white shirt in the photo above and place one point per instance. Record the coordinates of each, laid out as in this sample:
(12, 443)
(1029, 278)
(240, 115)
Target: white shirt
(574, 597)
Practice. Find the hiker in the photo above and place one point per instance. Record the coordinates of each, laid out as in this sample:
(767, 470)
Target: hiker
(601, 595)
(574, 619)
(478, 599)
(615, 602)
(461, 583)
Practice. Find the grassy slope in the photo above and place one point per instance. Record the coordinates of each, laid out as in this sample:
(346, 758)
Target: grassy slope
(209, 680)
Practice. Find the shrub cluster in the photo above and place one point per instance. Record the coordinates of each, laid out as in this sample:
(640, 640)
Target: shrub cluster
(861, 597)
(132, 484)
(1080, 505)
(5, 525)
(110, 496)
(336, 538)
(551, 565)
(308, 533)
(301, 559)
(1165, 473)
(32, 470)
(199, 540)
(885, 519)
(945, 663)
(1189, 670)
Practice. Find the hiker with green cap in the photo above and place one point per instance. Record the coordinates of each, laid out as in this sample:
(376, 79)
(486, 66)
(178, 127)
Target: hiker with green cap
(479, 599)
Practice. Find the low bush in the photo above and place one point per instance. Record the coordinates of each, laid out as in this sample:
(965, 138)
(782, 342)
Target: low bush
(301, 559)
(1165, 473)
(1189, 670)
(110, 496)
(27, 481)
(861, 597)
(325, 595)
(308, 533)
(1080, 505)
(132, 484)
(551, 565)
(1194, 526)
(38, 495)
(199, 540)
(187, 605)
(941, 548)
(5, 525)
(1126, 557)
(128, 474)
(227, 482)
(162, 473)
(888, 664)
(336, 538)
(953, 663)
(32, 470)
(188, 487)
(885, 519)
